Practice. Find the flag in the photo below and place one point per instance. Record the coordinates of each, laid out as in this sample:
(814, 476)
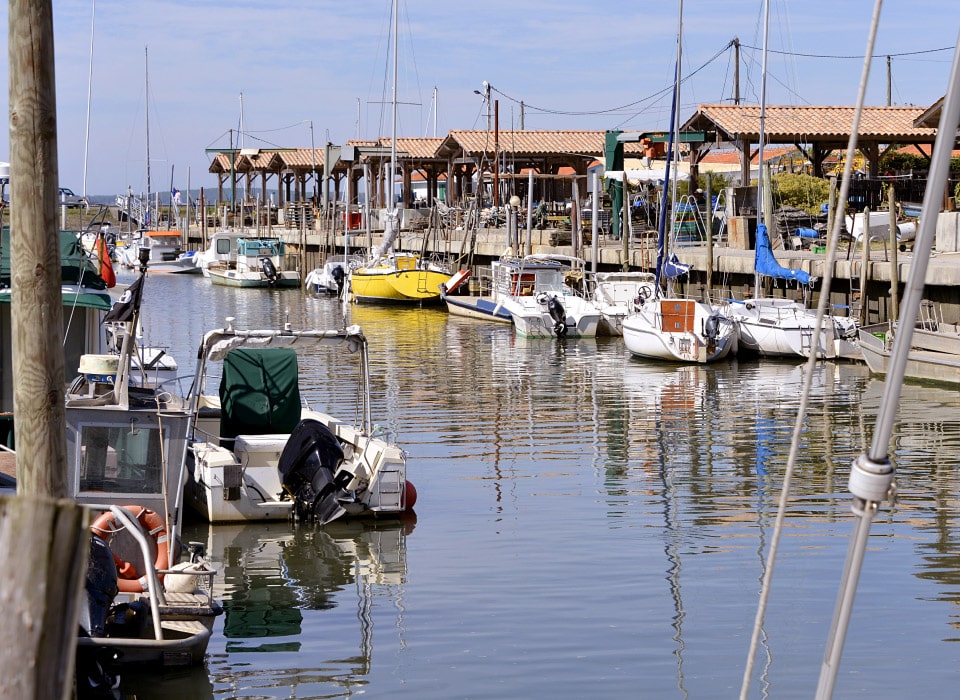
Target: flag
(106, 267)
(128, 304)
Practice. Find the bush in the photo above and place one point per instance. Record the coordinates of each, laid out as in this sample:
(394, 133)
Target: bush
(801, 191)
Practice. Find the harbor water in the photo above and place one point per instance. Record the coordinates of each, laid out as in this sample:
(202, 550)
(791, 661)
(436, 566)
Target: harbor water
(588, 525)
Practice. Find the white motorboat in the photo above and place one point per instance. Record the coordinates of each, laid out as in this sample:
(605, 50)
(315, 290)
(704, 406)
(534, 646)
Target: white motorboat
(331, 276)
(221, 251)
(257, 454)
(534, 290)
(259, 263)
(615, 293)
(164, 253)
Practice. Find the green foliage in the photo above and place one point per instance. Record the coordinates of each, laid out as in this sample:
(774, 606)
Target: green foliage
(802, 191)
(897, 161)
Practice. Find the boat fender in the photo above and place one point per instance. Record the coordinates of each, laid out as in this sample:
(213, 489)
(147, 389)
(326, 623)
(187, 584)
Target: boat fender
(269, 269)
(542, 299)
(128, 578)
(409, 495)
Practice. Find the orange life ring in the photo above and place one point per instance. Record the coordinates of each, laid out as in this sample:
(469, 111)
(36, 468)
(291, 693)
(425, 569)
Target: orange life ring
(128, 578)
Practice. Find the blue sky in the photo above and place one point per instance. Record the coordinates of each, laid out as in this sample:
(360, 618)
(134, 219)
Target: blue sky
(575, 65)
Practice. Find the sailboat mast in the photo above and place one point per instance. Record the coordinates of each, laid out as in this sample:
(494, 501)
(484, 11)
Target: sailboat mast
(763, 109)
(664, 209)
(393, 128)
(146, 101)
(86, 136)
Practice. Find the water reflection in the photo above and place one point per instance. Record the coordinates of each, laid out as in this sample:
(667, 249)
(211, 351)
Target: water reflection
(290, 592)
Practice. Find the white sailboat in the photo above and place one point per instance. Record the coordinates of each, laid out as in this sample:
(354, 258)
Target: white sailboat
(664, 326)
(777, 326)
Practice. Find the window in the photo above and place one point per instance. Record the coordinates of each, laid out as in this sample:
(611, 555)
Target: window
(120, 459)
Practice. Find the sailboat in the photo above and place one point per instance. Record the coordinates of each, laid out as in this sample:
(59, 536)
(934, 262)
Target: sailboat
(663, 326)
(777, 327)
(389, 276)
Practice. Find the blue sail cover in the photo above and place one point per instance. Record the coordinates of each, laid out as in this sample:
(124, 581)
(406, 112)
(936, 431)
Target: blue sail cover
(766, 264)
(673, 268)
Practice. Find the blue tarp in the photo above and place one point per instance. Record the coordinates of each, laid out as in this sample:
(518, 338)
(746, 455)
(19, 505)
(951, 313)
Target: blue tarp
(766, 264)
(807, 233)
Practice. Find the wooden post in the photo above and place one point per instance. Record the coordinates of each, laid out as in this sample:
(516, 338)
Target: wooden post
(37, 304)
(864, 265)
(43, 549)
(40, 542)
(894, 312)
(709, 231)
(625, 224)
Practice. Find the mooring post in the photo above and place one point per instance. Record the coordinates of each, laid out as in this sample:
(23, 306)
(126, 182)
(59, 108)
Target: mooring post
(43, 549)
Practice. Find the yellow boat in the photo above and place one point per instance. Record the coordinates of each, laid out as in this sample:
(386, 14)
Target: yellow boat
(398, 278)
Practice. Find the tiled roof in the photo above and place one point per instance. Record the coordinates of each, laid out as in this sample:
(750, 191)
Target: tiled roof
(531, 143)
(425, 147)
(811, 123)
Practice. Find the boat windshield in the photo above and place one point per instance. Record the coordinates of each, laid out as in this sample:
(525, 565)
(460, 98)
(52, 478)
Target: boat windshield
(120, 458)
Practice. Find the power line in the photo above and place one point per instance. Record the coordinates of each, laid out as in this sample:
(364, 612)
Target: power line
(857, 57)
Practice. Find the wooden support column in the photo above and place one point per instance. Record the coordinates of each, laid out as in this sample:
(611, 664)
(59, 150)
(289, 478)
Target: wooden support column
(43, 541)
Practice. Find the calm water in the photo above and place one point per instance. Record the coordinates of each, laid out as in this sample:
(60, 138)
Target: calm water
(588, 526)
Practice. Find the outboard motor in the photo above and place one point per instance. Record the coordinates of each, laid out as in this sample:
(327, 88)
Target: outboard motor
(339, 276)
(711, 331)
(308, 472)
(269, 269)
(559, 316)
(100, 589)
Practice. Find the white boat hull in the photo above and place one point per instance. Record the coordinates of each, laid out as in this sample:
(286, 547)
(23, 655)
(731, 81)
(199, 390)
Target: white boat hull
(532, 319)
(676, 330)
(773, 327)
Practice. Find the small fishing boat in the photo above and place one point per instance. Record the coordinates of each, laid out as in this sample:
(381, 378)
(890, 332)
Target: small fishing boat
(536, 293)
(615, 293)
(221, 251)
(257, 454)
(482, 308)
(259, 263)
(126, 449)
(332, 275)
(165, 253)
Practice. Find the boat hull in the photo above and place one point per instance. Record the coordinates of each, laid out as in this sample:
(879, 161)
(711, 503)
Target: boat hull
(673, 330)
(925, 365)
(370, 285)
(532, 319)
(480, 308)
(774, 327)
(231, 278)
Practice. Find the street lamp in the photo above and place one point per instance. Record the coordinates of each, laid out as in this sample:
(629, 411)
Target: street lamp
(486, 98)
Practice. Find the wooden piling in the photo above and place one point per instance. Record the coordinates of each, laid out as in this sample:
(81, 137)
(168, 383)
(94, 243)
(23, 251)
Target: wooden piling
(894, 312)
(43, 549)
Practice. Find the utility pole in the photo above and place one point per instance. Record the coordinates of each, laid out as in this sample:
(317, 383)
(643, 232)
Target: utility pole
(889, 80)
(736, 70)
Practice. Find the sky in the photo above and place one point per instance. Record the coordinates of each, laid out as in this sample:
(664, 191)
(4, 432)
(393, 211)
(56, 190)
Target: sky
(295, 71)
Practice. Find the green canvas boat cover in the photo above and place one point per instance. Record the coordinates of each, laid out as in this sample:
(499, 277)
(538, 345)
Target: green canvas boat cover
(76, 266)
(259, 392)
